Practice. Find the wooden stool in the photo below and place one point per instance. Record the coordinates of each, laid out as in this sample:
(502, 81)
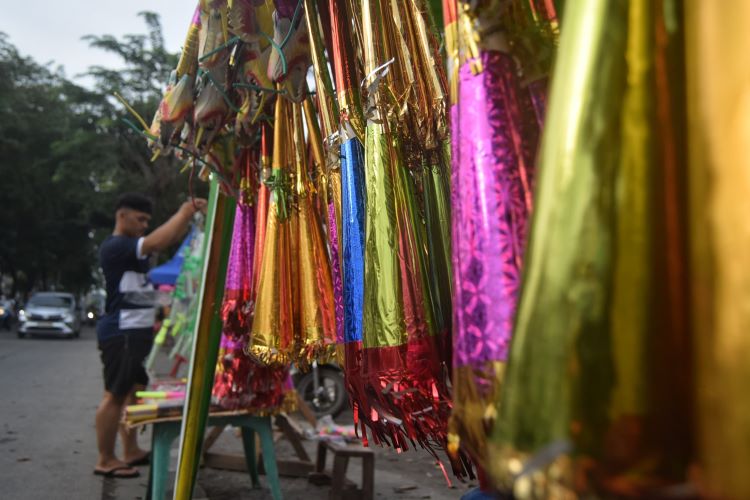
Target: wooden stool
(165, 432)
(340, 488)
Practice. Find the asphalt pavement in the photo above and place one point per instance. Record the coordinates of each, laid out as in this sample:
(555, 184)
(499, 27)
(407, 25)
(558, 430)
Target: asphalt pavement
(50, 390)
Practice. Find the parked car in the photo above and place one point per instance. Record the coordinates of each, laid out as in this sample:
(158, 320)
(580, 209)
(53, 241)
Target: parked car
(50, 313)
(7, 314)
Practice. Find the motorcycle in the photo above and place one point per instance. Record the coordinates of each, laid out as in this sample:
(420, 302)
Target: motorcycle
(322, 388)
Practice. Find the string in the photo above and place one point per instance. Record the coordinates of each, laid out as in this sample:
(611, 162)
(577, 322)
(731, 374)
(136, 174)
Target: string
(259, 88)
(278, 49)
(180, 148)
(132, 111)
(291, 26)
(221, 91)
(221, 47)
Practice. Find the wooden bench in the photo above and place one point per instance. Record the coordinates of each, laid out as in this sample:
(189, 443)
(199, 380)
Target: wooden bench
(166, 430)
(341, 488)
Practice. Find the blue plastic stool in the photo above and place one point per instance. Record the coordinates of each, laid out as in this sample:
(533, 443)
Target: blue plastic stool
(164, 434)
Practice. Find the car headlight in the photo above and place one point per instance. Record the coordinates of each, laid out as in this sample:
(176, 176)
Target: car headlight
(68, 318)
(90, 315)
(21, 315)
(2, 311)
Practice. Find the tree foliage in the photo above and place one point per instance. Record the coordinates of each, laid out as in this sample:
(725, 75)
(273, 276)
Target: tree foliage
(66, 154)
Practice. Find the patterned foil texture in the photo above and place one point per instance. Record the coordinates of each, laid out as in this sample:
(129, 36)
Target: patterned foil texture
(273, 325)
(352, 247)
(353, 236)
(490, 210)
(317, 328)
(338, 284)
(238, 289)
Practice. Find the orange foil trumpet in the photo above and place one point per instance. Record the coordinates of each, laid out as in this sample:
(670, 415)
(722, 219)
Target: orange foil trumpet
(272, 338)
(317, 326)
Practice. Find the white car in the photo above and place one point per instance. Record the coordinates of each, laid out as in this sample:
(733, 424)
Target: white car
(50, 313)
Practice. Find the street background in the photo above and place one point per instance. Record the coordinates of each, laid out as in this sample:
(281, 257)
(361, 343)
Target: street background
(51, 388)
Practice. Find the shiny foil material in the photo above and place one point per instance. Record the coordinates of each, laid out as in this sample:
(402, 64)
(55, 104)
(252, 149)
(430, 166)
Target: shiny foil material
(329, 173)
(327, 103)
(344, 69)
(580, 399)
(316, 330)
(437, 215)
(273, 326)
(317, 324)
(237, 293)
(718, 97)
(538, 93)
(352, 246)
(338, 284)
(261, 211)
(563, 314)
(383, 314)
(272, 338)
(406, 396)
(241, 383)
(353, 236)
(490, 208)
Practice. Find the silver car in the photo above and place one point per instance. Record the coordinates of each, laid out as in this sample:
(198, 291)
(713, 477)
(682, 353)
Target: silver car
(50, 313)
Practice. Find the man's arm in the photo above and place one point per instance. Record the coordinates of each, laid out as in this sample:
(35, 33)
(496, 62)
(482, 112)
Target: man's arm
(172, 230)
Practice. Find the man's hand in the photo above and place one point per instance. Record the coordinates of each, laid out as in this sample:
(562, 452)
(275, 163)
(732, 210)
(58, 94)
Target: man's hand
(194, 205)
(175, 228)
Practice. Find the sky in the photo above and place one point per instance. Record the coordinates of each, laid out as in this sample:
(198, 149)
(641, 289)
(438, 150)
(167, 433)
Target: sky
(51, 30)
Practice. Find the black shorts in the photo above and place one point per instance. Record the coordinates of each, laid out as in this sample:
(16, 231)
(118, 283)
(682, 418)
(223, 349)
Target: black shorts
(123, 358)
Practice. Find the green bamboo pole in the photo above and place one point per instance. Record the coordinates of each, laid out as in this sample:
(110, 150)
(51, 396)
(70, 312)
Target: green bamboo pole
(206, 343)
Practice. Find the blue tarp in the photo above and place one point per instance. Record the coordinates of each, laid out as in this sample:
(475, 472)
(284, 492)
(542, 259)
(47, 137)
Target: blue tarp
(167, 273)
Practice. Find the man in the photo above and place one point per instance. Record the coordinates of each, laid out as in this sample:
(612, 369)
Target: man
(125, 332)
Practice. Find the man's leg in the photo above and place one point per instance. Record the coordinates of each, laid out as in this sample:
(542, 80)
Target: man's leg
(107, 423)
(131, 451)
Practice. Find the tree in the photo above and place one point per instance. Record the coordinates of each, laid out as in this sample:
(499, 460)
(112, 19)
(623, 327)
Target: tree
(66, 154)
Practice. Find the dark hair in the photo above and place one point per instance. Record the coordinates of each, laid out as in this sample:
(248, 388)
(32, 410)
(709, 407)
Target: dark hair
(135, 201)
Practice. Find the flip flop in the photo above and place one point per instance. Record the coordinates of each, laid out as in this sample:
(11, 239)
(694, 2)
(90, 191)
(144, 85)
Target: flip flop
(144, 460)
(113, 472)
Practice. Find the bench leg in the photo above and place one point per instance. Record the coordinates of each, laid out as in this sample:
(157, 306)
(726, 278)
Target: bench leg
(163, 436)
(340, 463)
(368, 477)
(248, 443)
(269, 458)
(320, 462)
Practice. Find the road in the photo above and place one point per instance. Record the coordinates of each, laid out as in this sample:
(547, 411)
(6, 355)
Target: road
(48, 447)
(51, 388)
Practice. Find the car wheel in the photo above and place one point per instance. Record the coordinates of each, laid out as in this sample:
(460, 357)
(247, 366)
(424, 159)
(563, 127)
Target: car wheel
(76, 334)
(20, 334)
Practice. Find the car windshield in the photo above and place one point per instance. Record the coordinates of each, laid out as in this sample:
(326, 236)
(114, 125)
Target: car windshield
(50, 301)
